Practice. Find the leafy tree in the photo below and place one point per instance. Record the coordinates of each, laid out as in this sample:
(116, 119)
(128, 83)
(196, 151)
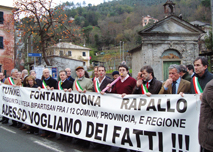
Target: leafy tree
(206, 3)
(208, 41)
(46, 24)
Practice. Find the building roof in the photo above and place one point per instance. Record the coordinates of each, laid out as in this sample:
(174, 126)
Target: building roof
(8, 7)
(163, 27)
(69, 45)
(56, 56)
(135, 49)
(199, 23)
(53, 56)
(189, 28)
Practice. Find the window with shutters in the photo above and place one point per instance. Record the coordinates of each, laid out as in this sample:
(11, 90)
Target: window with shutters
(1, 18)
(1, 43)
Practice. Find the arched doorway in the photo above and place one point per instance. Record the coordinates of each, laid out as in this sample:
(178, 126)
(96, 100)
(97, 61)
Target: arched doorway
(169, 57)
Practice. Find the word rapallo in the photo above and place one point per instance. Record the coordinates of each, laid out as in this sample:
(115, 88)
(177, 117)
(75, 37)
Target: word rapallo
(154, 105)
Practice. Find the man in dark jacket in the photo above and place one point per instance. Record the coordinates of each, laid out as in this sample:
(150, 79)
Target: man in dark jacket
(69, 77)
(48, 83)
(146, 79)
(64, 83)
(206, 119)
(2, 79)
(102, 81)
(202, 75)
(190, 70)
(184, 74)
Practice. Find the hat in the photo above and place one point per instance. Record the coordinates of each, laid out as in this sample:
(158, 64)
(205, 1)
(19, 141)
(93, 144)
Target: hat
(115, 72)
(79, 67)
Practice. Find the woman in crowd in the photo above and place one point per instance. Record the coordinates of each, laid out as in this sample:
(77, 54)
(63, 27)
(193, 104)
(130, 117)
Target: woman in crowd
(31, 83)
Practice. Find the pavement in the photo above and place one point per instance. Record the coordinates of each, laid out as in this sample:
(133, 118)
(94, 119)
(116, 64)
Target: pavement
(14, 139)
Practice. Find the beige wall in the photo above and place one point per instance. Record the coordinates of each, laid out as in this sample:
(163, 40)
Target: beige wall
(76, 54)
(147, 20)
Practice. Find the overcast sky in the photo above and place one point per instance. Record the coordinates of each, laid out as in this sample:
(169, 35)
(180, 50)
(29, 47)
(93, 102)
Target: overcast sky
(94, 2)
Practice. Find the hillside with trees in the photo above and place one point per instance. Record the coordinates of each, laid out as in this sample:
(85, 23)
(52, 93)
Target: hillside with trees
(102, 27)
(107, 24)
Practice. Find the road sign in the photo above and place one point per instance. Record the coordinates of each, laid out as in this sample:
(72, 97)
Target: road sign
(34, 54)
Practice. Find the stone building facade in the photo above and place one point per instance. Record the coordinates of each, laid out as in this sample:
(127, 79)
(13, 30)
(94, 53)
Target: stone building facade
(6, 39)
(64, 62)
(169, 41)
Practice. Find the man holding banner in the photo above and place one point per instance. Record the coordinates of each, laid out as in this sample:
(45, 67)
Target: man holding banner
(14, 81)
(147, 83)
(174, 84)
(66, 85)
(102, 81)
(82, 84)
(69, 77)
(125, 84)
(48, 83)
(202, 75)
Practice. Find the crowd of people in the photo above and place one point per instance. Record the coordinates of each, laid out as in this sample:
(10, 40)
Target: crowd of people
(182, 79)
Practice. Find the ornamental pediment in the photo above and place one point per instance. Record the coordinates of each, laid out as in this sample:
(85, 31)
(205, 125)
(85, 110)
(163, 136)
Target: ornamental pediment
(172, 24)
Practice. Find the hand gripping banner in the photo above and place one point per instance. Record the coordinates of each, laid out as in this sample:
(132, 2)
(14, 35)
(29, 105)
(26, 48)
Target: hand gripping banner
(166, 123)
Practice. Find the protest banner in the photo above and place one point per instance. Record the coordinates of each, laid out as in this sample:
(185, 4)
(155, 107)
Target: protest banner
(151, 124)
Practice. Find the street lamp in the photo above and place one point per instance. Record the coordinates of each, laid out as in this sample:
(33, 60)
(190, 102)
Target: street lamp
(59, 47)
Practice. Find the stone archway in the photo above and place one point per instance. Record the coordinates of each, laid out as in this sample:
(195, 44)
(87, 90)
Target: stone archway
(170, 56)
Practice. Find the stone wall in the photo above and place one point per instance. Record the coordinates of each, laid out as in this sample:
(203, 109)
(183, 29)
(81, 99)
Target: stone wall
(63, 63)
(152, 50)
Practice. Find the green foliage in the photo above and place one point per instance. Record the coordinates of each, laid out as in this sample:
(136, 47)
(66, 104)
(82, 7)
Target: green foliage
(208, 41)
(93, 55)
(108, 23)
(206, 3)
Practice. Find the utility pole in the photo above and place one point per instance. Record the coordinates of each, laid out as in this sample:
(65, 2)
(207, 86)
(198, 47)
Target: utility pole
(123, 50)
(120, 51)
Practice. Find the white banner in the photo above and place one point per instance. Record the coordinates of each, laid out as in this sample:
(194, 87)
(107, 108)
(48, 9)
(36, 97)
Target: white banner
(166, 123)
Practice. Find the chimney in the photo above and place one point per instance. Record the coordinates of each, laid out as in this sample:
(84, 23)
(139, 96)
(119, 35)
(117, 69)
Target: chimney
(169, 8)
